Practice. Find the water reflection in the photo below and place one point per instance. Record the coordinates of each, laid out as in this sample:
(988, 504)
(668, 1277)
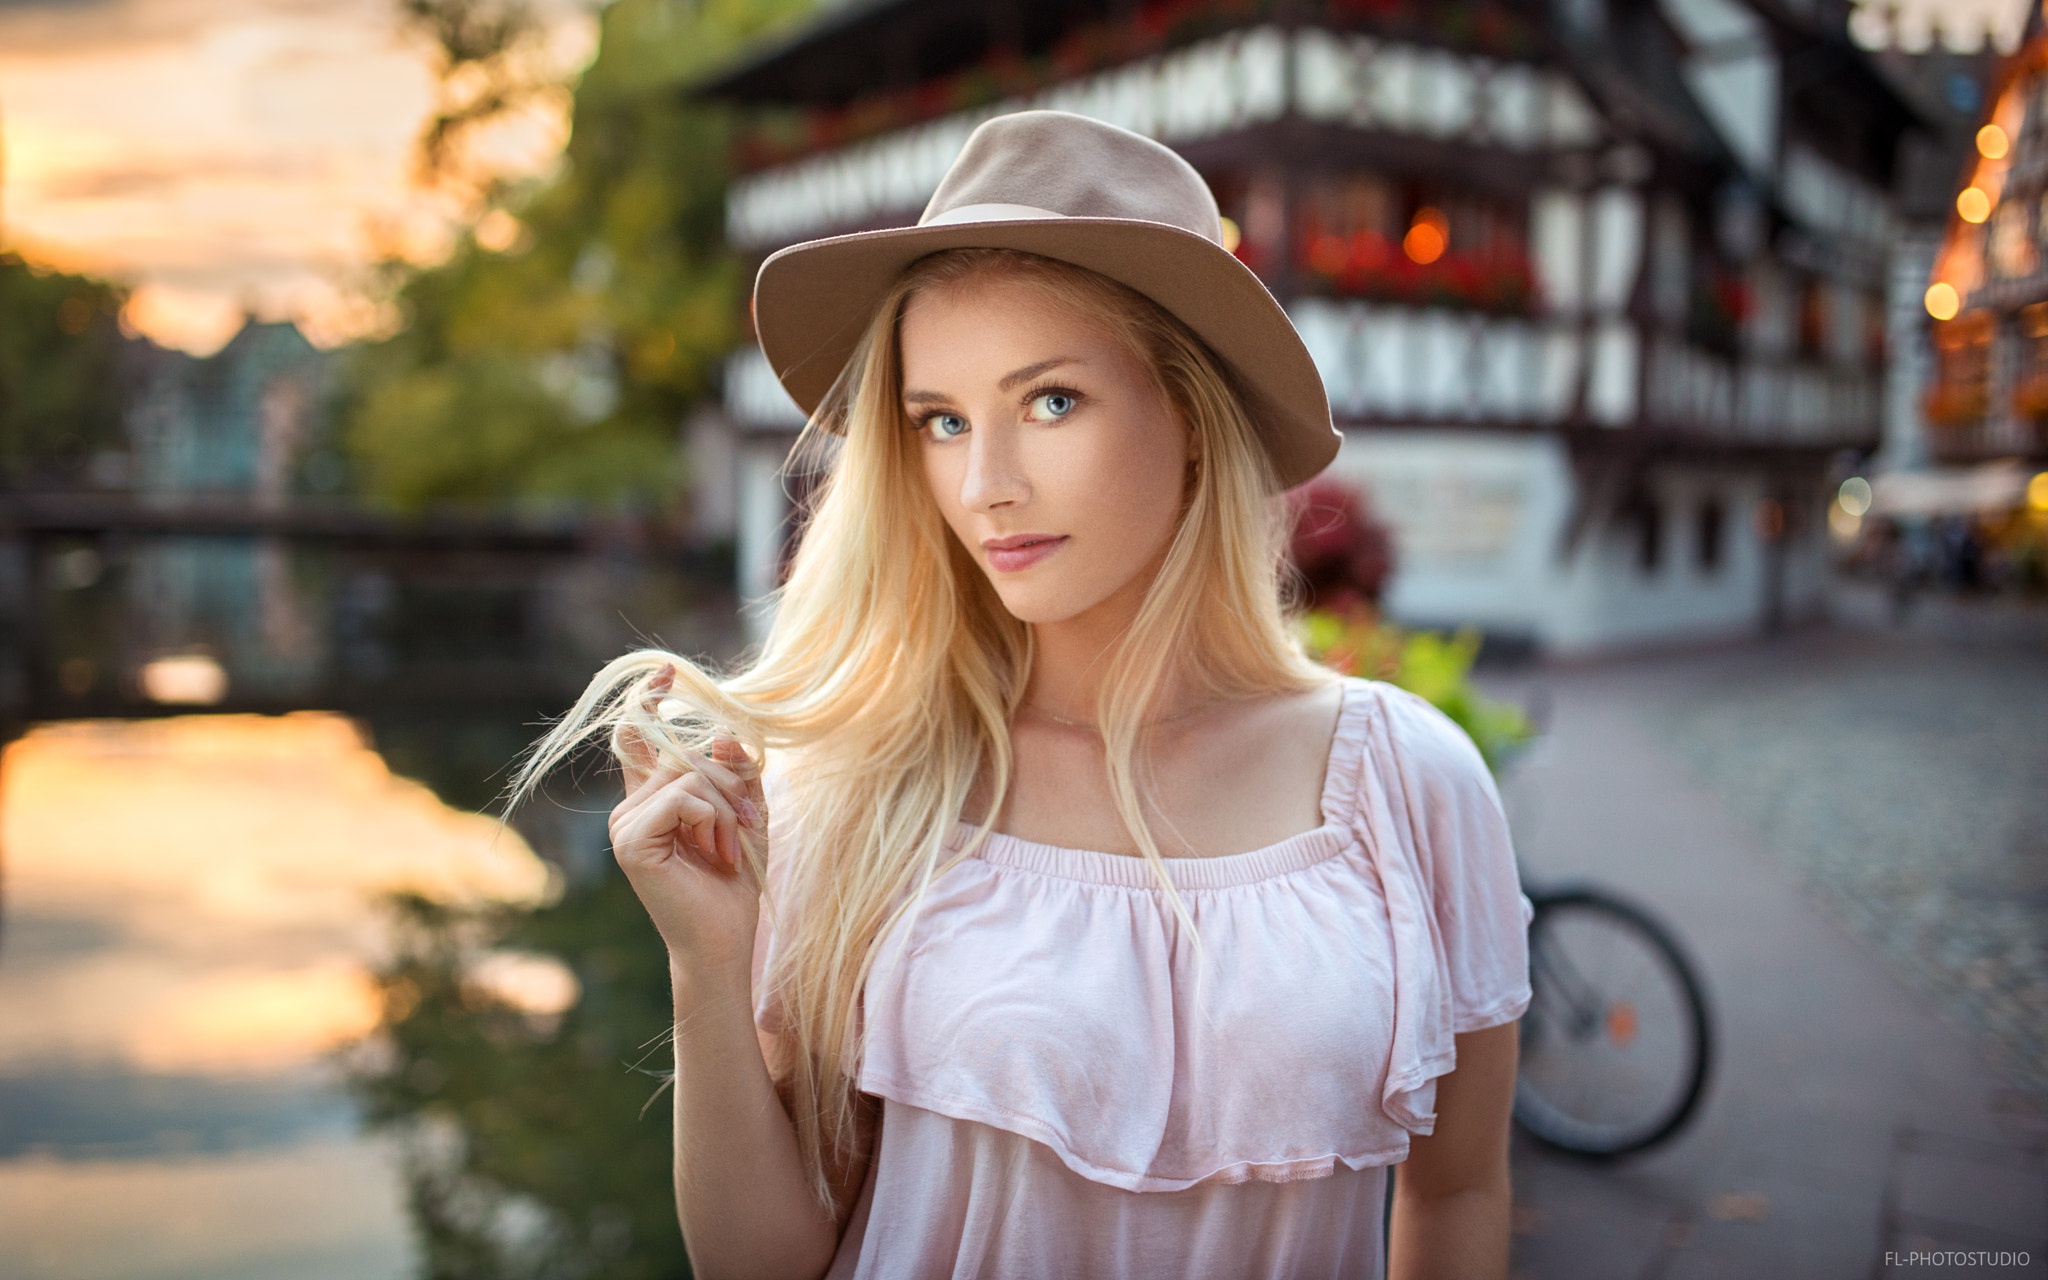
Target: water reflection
(535, 1138)
(192, 914)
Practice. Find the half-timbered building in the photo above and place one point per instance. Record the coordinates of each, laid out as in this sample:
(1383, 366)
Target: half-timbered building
(1988, 295)
(1596, 286)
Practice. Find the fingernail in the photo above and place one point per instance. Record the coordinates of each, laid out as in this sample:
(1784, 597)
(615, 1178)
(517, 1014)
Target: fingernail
(749, 814)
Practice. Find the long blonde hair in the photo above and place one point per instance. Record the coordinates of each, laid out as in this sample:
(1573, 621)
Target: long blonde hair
(891, 671)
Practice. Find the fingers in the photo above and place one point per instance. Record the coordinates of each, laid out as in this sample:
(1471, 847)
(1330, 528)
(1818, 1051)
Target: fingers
(661, 799)
(649, 785)
(637, 757)
(717, 763)
(679, 814)
(751, 792)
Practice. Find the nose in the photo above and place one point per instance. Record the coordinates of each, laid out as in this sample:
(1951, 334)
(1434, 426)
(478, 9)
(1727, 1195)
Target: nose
(995, 472)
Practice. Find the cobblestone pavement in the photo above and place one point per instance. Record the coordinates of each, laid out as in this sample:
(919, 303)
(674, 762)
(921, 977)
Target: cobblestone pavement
(1848, 829)
(1906, 782)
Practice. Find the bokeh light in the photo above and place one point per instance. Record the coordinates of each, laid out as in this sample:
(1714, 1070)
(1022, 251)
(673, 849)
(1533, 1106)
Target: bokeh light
(1942, 300)
(185, 679)
(1992, 143)
(1428, 237)
(1843, 523)
(1973, 204)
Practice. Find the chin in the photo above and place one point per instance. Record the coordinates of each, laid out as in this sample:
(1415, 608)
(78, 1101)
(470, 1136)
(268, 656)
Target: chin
(1039, 606)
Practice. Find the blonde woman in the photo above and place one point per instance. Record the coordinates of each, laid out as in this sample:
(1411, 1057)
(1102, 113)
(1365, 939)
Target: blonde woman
(1034, 907)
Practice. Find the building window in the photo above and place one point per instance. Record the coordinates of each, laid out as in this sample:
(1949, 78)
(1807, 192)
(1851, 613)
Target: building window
(1813, 318)
(1962, 371)
(1707, 536)
(1644, 519)
(2030, 385)
(2012, 242)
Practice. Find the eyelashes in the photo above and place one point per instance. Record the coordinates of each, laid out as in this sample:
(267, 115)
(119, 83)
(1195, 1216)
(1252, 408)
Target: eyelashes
(922, 423)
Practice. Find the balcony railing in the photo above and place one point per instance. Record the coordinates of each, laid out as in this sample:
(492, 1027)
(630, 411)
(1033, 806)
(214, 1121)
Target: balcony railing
(1438, 365)
(1768, 401)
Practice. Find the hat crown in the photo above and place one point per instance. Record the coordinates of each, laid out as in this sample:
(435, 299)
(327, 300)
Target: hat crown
(1076, 167)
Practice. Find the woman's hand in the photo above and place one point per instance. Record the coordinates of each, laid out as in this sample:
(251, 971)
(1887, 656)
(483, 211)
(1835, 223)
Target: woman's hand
(676, 835)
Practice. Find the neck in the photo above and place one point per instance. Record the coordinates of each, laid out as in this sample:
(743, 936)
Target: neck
(1068, 658)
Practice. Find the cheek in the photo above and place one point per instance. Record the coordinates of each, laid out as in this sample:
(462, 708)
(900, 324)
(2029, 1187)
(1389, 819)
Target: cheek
(944, 484)
(1134, 504)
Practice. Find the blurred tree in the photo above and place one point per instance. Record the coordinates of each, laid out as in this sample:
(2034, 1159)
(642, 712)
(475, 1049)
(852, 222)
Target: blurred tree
(60, 389)
(492, 62)
(554, 355)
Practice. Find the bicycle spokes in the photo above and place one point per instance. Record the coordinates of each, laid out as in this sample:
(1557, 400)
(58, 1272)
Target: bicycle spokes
(1615, 1042)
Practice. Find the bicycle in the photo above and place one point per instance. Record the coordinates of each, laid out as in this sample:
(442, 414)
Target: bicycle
(1617, 1044)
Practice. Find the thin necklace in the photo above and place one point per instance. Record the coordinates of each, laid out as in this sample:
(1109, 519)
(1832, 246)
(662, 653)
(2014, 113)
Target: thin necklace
(1083, 724)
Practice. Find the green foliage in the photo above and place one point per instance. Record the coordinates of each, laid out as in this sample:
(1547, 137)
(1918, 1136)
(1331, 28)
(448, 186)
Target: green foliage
(60, 390)
(1426, 663)
(532, 1150)
(562, 366)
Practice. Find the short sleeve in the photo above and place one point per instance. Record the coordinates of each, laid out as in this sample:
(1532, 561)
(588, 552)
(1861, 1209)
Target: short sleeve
(1467, 861)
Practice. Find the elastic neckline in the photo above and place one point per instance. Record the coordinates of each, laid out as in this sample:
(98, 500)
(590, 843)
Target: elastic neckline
(1302, 849)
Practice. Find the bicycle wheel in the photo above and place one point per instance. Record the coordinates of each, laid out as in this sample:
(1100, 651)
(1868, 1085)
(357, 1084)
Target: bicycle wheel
(1616, 1044)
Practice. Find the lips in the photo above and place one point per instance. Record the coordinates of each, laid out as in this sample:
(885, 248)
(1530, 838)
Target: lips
(1017, 540)
(1023, 554)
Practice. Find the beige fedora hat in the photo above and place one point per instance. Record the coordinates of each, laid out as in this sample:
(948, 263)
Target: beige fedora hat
(1082, 191)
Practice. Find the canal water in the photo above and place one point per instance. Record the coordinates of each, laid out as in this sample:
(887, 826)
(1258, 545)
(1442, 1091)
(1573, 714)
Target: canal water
(281, 996)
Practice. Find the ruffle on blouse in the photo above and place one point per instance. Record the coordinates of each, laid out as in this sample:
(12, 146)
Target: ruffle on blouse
(1340, 962)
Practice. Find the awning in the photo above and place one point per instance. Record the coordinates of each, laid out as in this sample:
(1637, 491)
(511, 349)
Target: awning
(1990, 489)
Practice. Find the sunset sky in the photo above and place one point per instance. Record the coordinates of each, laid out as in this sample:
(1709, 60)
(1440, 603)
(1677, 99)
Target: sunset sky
(230, 154)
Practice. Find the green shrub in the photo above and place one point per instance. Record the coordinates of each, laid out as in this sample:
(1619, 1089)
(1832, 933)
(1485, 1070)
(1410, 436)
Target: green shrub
(1427, 663)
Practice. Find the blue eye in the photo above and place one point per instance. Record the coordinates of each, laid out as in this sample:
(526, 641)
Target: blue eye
(952, 418)
(1052, 404)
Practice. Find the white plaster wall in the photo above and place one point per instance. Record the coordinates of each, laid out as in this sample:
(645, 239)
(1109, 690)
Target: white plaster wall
(1475, 517)
(1604, 601)
(762, 507)
(711, 450)
(1809, 565)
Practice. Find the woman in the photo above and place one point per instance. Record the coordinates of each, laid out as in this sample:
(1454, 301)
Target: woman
(1103, 933)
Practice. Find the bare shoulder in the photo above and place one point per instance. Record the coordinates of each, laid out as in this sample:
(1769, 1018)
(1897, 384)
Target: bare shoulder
(1295, 714)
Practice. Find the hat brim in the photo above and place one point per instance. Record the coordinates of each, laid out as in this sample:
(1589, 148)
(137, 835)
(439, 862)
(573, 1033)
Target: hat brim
(813, 300)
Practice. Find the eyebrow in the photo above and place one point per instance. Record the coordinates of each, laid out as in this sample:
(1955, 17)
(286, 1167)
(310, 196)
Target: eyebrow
(1007, 382)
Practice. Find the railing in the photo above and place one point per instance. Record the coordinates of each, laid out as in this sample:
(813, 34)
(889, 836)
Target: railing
(1778, 402)
(271, 608)
(1235, 80)
(1434, 364)
(1987, 441)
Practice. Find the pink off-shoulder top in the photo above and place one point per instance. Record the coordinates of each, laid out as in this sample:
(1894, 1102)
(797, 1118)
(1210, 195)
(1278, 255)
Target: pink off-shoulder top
(1057, 1100)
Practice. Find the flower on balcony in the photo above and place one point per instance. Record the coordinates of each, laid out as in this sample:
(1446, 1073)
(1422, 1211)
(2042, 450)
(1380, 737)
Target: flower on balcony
(1495, 278)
